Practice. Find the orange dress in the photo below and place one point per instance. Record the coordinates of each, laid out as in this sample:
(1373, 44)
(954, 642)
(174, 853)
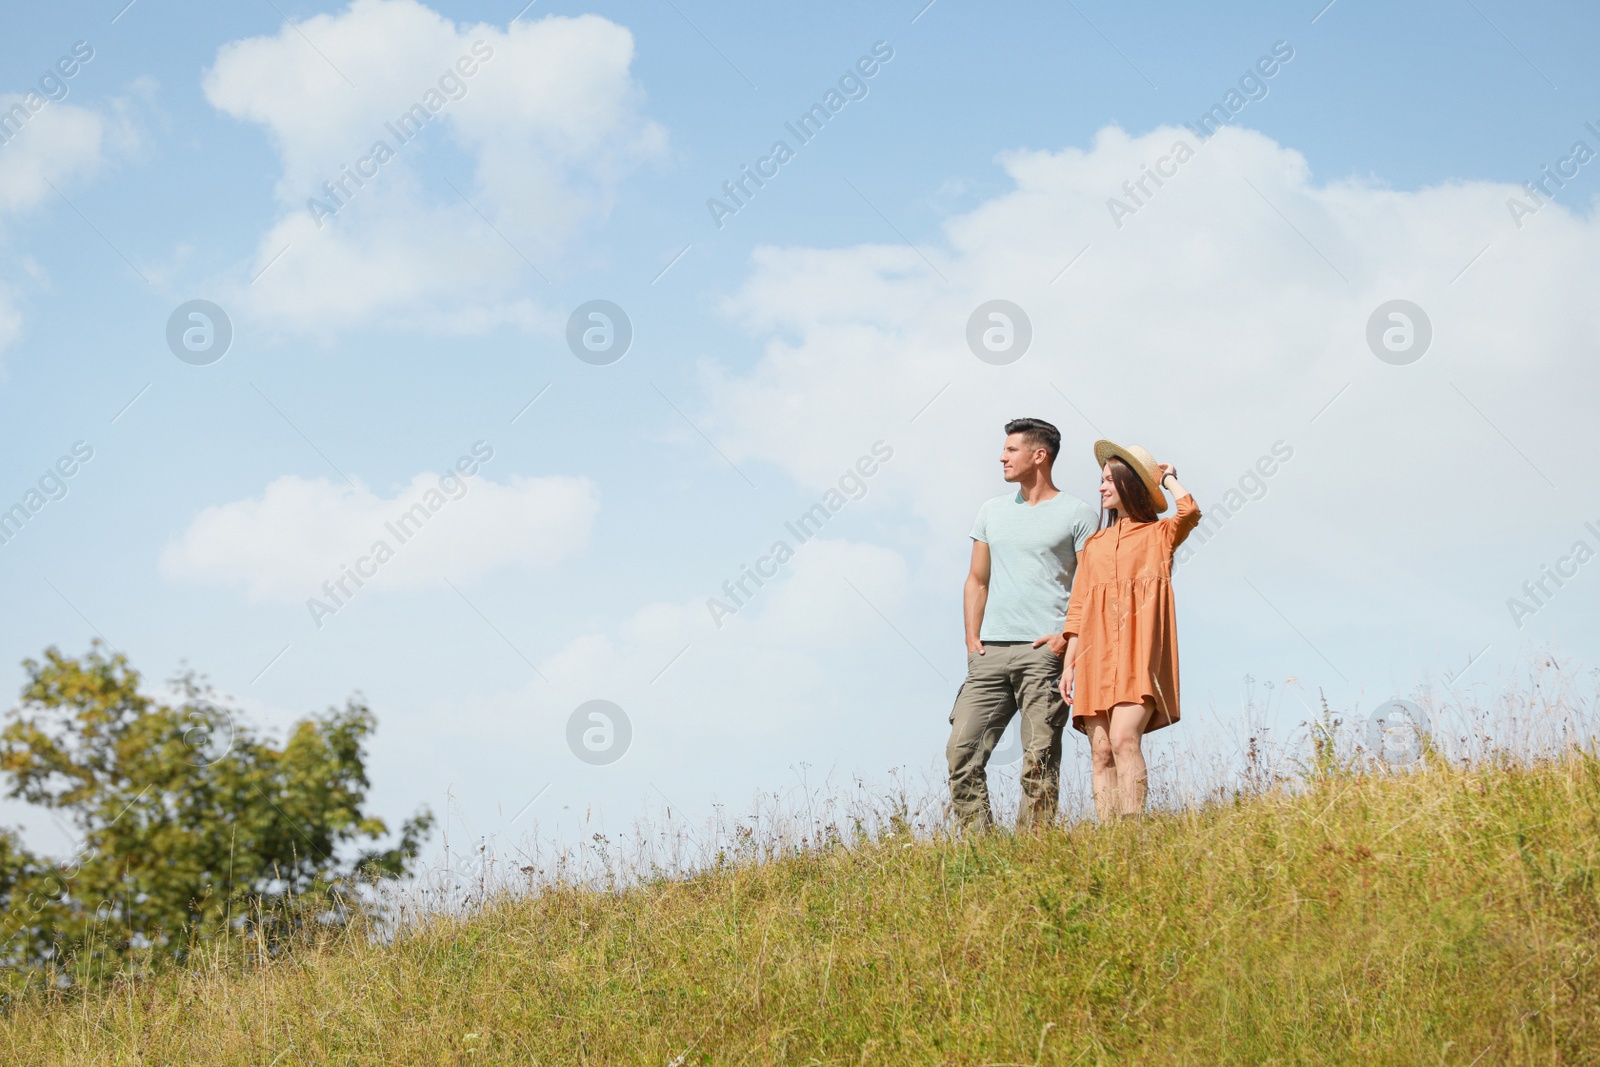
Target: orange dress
(1123, 615)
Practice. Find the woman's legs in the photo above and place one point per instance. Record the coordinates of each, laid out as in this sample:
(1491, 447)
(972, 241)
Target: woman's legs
(1126, 730)
(1103, 766)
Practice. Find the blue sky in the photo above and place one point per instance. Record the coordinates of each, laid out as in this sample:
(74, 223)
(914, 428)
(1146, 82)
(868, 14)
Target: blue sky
(1226, 314)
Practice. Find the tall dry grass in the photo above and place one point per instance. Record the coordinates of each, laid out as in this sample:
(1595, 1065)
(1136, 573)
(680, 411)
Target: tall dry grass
(1312, 908)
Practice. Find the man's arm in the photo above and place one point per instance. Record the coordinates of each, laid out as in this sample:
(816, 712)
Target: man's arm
(976, 595)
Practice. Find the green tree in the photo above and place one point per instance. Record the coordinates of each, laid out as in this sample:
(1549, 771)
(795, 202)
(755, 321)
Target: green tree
(192, 824)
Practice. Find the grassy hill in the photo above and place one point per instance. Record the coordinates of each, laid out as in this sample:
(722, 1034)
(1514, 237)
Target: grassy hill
(1444, 917)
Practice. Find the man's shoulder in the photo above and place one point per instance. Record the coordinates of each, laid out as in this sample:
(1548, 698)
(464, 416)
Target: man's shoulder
(995, 507)
(1075, 513)
(1080, 508)
(995, 503)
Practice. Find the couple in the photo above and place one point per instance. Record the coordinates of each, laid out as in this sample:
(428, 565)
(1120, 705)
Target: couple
(1065, 620)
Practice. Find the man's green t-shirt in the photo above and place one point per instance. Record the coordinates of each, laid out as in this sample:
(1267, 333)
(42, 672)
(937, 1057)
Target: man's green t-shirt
(1033, 554)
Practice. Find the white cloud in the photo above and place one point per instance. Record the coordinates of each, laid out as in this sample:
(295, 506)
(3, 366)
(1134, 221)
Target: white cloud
(1216, 320)
(805, 681)
(832, 597)
(1204, 307)
(766, 684)
(548, 121)
(298, 533)
(807, 606)
(58, 142)
(61, 144)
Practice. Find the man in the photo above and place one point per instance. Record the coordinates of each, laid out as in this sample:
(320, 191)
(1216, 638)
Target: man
(1024, 553)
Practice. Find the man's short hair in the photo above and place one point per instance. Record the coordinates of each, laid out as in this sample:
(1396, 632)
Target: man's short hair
(1038, 434)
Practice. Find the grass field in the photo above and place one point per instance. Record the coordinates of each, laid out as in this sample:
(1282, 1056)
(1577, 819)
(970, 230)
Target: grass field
(1448, 916)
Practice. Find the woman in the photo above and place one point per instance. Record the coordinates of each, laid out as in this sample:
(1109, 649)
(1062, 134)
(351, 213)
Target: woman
(1120, 666)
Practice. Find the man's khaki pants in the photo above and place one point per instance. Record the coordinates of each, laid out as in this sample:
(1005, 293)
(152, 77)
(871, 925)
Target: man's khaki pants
(1009, 677)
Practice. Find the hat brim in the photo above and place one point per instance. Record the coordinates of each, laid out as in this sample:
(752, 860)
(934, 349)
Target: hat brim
(1105, 450)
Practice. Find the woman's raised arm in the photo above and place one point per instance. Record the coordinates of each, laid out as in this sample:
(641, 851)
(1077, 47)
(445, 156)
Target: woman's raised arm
(1188, 516)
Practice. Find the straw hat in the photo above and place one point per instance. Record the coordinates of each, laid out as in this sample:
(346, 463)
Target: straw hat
(1143, 463)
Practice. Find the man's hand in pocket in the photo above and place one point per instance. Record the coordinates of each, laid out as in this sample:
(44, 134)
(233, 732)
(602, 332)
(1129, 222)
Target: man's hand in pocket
(1057, 643)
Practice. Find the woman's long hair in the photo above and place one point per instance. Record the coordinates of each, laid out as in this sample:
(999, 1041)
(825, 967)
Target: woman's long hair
(1132, 491)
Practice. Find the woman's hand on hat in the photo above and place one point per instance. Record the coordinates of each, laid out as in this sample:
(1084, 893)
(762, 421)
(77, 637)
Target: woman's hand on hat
(1176, 488)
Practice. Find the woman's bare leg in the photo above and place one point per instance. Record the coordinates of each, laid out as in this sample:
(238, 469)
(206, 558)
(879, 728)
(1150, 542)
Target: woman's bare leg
(1103, 766)
(1126, 731)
